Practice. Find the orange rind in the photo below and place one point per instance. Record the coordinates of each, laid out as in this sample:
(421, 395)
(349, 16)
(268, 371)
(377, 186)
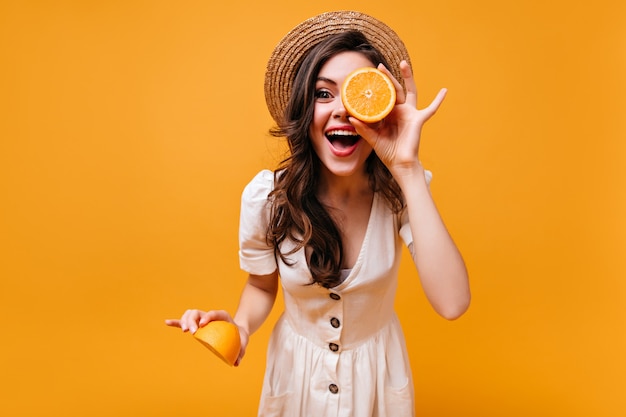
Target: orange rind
(222, 338)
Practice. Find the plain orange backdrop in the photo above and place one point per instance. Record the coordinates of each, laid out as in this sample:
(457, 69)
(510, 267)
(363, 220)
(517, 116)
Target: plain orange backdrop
(129, 128)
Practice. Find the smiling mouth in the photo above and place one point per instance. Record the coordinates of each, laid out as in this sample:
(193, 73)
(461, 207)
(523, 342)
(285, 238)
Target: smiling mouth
(342, 139)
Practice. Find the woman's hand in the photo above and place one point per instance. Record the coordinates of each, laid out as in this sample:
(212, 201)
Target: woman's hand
(396, 139)
(192, 320)
(257, 300)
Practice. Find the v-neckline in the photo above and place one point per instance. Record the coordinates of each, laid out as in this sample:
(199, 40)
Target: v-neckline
(359, 260)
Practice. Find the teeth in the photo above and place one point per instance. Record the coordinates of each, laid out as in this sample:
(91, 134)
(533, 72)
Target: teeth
(342, 133)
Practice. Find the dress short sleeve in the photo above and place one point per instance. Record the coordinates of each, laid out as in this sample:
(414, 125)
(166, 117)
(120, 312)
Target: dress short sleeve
(405, 229)
(255, 255)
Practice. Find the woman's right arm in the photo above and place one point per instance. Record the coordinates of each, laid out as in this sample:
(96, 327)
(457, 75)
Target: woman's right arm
(256, 302)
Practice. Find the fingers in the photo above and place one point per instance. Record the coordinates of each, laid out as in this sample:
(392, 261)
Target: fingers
(409, 83)
(172, 323)
(191, 320)
(408, 93)
(435, 104)
(242, 352)
(214, 315)
(245, 337)
(400, 96)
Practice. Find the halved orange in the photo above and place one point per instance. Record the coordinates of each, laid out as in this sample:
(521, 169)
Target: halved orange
(222, 338)
(368, 94)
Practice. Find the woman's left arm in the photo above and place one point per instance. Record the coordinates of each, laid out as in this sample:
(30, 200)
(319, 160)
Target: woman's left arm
(396, 141)
(439, 263)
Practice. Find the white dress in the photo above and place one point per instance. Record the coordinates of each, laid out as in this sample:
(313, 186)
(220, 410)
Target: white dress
(339, 351)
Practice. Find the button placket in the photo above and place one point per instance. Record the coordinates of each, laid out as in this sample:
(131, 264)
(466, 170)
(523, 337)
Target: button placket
(334, 319)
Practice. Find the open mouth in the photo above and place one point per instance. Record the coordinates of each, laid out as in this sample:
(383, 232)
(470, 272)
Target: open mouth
(342, 140)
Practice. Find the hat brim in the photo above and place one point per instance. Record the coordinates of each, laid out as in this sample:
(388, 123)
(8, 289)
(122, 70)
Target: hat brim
(291, 50)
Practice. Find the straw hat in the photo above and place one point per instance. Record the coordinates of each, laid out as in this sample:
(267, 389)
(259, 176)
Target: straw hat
(291, 50)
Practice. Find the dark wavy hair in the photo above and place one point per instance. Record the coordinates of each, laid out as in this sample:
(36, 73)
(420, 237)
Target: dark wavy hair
(296, 213)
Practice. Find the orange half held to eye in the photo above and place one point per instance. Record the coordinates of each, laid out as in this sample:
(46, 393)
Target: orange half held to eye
(222, 338)
(368, 94)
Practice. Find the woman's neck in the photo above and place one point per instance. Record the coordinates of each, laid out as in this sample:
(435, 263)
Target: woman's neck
(336, 191)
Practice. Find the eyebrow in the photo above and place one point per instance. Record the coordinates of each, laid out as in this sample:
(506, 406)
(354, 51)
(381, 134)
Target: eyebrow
(328, 80)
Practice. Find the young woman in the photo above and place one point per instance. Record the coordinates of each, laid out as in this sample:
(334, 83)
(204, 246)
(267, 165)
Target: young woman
(329, 225)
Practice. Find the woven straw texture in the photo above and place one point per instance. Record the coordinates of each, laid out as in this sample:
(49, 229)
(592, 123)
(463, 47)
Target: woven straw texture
(291, 50)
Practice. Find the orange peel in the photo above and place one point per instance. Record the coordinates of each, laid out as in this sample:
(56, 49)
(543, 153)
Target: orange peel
(222, 338)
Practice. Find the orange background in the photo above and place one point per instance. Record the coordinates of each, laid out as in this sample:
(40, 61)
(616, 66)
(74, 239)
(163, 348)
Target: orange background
(129, 128)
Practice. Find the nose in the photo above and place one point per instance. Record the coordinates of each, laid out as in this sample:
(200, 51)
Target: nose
(339, 111)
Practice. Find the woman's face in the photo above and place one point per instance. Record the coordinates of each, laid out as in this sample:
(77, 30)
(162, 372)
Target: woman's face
(336, 143)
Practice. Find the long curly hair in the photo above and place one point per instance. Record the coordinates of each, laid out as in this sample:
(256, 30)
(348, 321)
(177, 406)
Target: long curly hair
(296, 213)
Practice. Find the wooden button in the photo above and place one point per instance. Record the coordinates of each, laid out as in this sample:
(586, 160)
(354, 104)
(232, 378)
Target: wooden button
(333, 388)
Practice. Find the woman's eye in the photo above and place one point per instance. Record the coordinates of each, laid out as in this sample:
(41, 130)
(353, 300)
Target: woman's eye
(323, 95)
